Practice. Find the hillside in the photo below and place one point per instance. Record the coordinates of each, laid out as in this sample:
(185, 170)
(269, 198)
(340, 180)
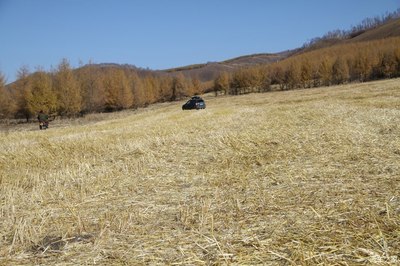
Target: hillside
(387, 30)
(390, 29)
(303, 177)
(209, 71)
(204, 71)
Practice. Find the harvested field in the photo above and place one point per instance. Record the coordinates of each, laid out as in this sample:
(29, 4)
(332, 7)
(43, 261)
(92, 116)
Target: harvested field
(306, 177)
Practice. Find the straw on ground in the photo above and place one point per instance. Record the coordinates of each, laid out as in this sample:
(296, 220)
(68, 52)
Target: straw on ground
(303, 177)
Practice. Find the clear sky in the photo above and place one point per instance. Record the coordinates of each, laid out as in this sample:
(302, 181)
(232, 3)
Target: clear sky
(160, 34)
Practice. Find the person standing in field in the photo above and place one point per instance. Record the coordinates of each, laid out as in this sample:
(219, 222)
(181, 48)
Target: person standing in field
(43, 120)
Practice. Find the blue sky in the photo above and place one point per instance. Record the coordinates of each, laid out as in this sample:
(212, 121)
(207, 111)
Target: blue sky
(160, 34)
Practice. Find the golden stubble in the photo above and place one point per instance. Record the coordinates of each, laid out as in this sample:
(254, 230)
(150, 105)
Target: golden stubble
(302, 177)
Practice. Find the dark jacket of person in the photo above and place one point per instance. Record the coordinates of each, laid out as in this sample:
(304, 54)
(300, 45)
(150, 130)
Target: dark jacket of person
(42, 117)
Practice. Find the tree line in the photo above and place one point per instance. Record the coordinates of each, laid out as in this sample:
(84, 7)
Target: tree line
(95, 88)
(70, 92)
(340, 64)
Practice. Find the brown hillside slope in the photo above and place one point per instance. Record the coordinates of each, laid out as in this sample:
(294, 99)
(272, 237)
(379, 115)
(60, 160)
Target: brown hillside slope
(390, 29)
(209, 71)
(206, 72)
(387, 30)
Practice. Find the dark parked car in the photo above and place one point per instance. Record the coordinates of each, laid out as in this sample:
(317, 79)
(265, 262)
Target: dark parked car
(196, 102)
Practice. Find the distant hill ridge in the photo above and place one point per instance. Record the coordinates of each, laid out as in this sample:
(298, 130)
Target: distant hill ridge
(370, 29)
(208, 71)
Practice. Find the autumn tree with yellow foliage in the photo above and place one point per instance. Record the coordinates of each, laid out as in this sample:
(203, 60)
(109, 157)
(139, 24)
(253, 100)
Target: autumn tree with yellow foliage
(118, 93)
(22, 88)
(41, 95)
(178, 87)
(221, 83)
(7, 104)
(92, 89)
(68, 91)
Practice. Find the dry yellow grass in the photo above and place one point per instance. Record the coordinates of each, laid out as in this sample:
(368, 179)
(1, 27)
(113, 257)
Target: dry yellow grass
(307, 177)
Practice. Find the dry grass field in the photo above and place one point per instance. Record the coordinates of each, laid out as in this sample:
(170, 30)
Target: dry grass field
(306, 177)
